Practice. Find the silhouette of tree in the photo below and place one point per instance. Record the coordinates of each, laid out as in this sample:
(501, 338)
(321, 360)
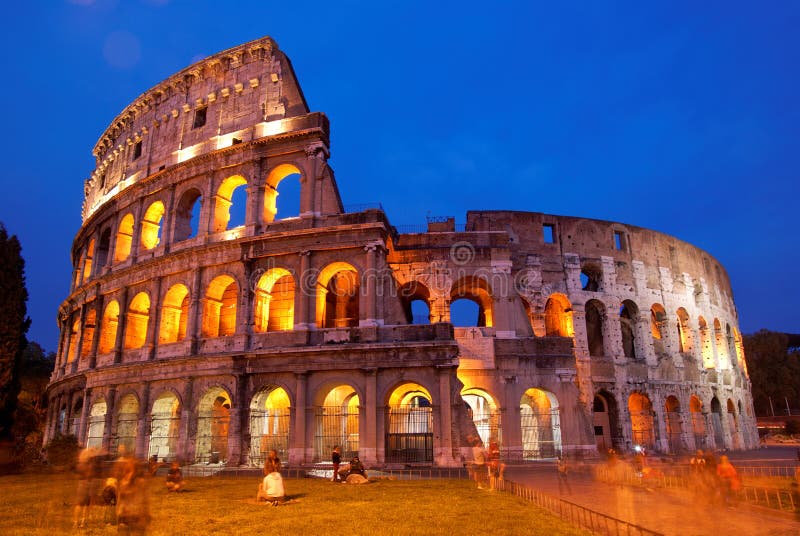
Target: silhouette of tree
(774, 367)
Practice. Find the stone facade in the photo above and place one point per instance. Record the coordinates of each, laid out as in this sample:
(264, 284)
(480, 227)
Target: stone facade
(189, 336)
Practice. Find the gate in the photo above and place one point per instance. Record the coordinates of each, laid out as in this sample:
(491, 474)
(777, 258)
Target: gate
(716, 422)
(269, 430)
(212, 437)
(541, 433)
(94, 437)
(335, 425)
(409, 434)
(126, 433)
(699, 431)
(164, 430)
(674, 431)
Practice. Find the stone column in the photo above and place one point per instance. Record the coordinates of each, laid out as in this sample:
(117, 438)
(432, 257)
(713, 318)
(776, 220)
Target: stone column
(83, 431)
(612, 334)
(61, 357)
(644, 339)
(442, 431)
(121, 325)
(151, 338)
(186, 434)
(143, 433)
(193, 327)
(368, 443)
(370, 279)
(98, 324)
(168, 220)
(309, 207)
(304, 294)
(297, 450)
(137, 230)
(108, 426)
(237, 414)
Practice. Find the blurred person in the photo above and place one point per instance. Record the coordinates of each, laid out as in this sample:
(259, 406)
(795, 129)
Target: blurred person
(495, 466)
(336, 459)
(133, 504)
(109, 496)
(479, 463)
(87, 468)
(175, 481)
(563, 475)
(153, 465)
(729, 480)
(271, 488)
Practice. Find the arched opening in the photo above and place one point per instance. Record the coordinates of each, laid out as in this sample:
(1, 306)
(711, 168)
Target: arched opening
(137, 320)
(595, 317)
(628, 314)
(174, 314)
(270, 415)
(274, 301)
(485, 415)
(75, 419)
(540, 425)
(89, 324)
(684, 332)
(642, 425)
(739, 350)
(72, 349)
(558, 317)
(103, 248)
(165, 420)
(733, 424)
(231, 202)
(283, 181)
(591, 277)
(337, 296)
(151, 226)
(122, 248)
(716, 423)
(698, 423)
(336, 423)
(415, 298)
(187, 215)
(604, 420)
(409, 425)
(705, 344)
(97, 425)
(108, 328)
(658, 317)
(219, 318)
(475, 290)
(722, 347)
(213, 420)
(672, 413)
(87, 261)
(730, 346)
(127, 420)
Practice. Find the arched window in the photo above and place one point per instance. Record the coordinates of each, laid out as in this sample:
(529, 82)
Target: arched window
(705, 342)
(187, 215)
(122, 249)
(540, 425)
(103, 248)
(72, 349)
(684, 331)
(642, 426)
(658, 317)
(283, 181)
(108, 328)
(137, 320)
(225, 201)
(337, 296)
(595, 318)
(730, 346)
(628, 314)
(415, 298)
(88, 332)
(151, 226)
(476, 290)
(672, 413)
(409, 425)
(219, 319)
(558, 316)
(274, 301)
(719, 340)
(87, 261)
(174, 313)
(591, 276)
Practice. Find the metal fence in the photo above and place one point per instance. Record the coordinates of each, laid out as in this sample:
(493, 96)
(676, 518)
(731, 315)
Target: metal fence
(780, 499)
(575, 514)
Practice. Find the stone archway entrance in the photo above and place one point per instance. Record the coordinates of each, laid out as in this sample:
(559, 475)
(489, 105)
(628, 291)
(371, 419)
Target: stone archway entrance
(540, 425)
(642, 426)
(409, 425)
(336, 423)
(270, 415)
(164, 427)
(604, 420)
(213, 421)
(485, 414)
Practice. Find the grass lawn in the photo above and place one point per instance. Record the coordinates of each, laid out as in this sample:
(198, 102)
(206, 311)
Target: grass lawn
(42, 504)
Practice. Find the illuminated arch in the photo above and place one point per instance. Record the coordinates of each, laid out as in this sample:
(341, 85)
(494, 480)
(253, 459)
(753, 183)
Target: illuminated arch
(89, 324)
(271, 193)
(127, 421)
(737, 337)
(224, 201)
(137, 321)
(337, 296)
(719, 341)
(165, 421)
(414, 295)
(705, 343)
(97, 424)
(409, 425)
(658, 318)
(174, 314)
(184, 213)
(628, 316)
(595, 315)
(72, 348)
(540, 424)
(87, 261)
(108, 327)
(685, 339)
(485, 415)
(270, 417)
(478, 291)
(558, 316)
(274, 301)
(213, 422)
(336, 422)
(672, 414)
(151, 226)
(698, 422)
(219, 319)
(122, 248)
(642, 425)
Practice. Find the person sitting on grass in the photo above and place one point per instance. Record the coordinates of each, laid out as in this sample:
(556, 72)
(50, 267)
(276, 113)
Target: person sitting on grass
(271, 488)
(175, 480)
(355, 473)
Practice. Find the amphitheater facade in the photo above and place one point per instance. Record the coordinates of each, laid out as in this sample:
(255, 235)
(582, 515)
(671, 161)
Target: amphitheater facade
(191, 335)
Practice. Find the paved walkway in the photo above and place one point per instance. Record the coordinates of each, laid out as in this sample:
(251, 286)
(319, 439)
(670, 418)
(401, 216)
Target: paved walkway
(670, 512)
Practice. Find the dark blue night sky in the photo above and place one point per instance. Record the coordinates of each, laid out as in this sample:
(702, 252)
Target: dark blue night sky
(677, 116)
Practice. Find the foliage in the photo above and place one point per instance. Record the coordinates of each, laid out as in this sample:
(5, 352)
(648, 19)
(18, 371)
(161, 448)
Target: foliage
(63, 450)
(774, 370)
(14, 324)
(225, 505)
(30, 416)
(792, 427)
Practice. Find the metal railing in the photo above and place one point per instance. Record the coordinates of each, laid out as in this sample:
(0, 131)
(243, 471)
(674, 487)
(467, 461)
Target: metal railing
(780, 499)
(575, 514)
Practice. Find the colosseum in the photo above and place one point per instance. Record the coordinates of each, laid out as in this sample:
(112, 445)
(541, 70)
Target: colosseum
(224, 302)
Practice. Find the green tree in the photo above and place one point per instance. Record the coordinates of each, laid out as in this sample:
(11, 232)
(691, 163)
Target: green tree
(774, 369)
(29, 419)
(14, 324)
